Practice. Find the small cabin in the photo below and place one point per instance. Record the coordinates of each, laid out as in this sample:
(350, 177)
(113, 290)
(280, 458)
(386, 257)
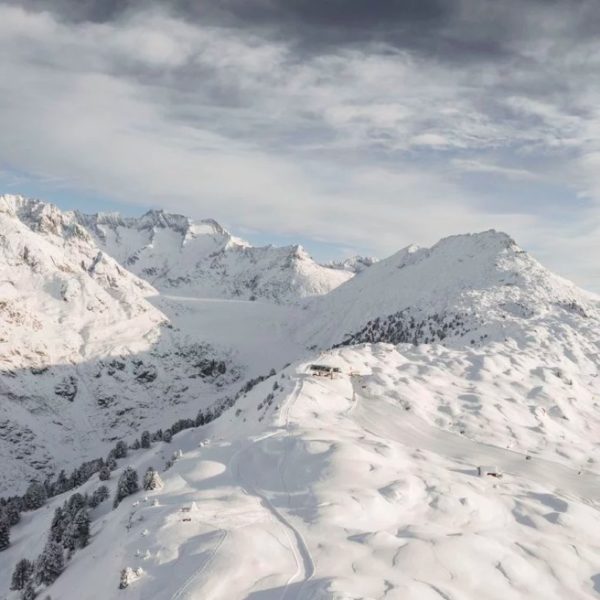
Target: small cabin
(489, 472)
(324, 370)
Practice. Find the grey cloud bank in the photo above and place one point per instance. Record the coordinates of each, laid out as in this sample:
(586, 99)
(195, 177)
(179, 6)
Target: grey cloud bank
(366, 124)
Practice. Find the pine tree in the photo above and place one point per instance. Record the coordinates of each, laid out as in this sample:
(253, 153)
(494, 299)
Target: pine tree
(82, 528)
(99, 495)
(126, 575)
(50, 563)
(128, 484)
(9, 515)
(167, 436)
(28, 592)
(22, 574)
(145, 439)
(152, 480)
(61, 484)
(76, 503)
(111, 460)
(35, 496)
(132, 481)
(60, 522)
(69, 538)
(120, 450)
(104, 473)
(4, 535)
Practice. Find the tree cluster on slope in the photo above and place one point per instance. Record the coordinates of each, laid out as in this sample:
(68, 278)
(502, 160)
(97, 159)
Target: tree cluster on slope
(404, 328)
(37, 493)
(69, 531)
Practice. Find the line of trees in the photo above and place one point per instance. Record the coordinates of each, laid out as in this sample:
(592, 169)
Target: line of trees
(70, 527)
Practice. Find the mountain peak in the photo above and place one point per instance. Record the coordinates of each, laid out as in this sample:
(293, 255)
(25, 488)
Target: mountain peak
(490, 240)
(485, 275)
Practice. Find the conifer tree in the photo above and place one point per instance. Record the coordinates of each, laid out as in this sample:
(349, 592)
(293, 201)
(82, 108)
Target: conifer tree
(35, 496)
(69, 538)
(99, 495)
(76, 503)
(120, 450)
(50, 563)
(145, 439)
(60, 522)
(127, 484)
(10, 513)
(4, 535)
(22, 574)
(82, 528)
(152, 480)
(104, 473)
(29, 592)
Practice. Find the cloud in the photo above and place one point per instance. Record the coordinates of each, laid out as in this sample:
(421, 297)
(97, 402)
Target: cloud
(355, 127)
(477, 166)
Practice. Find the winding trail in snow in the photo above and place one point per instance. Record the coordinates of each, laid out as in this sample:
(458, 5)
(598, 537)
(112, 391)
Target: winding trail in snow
(308, 563)
(298, 547)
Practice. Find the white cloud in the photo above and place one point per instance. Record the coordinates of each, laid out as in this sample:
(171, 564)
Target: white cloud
(477, 166)
(357, 147)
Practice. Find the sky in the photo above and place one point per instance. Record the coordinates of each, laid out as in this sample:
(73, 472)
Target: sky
(350, 126)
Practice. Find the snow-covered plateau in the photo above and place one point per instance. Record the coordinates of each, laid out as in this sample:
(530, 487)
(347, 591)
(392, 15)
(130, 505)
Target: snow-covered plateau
(452, 454)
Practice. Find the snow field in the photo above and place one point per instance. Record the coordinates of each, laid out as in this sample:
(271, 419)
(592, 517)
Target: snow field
(339, 492)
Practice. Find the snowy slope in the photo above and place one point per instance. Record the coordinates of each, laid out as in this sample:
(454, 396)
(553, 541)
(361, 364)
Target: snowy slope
(201, 259)
(86, 358)
(334, 490)
(465, 289)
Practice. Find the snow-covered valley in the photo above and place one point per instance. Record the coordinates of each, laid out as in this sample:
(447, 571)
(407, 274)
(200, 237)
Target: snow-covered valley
(336, 490)
(363, 485)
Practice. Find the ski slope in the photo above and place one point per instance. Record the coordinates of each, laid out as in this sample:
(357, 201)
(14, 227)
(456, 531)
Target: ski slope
(336, 491)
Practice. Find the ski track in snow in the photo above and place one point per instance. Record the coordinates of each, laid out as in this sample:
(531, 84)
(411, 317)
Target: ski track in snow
(307, 560)
(181, 593)
(298, 547)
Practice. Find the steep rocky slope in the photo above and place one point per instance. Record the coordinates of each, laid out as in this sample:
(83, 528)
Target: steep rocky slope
(85, 358)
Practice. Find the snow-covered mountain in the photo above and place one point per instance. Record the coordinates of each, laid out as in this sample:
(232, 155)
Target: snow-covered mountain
(180, 256)
(85, 358)
(354, 264)
(466, 289)
(464, 355)
(63, 302)
(201, 259)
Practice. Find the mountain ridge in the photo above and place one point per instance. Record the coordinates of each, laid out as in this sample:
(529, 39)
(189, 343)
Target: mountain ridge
(485, 275)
